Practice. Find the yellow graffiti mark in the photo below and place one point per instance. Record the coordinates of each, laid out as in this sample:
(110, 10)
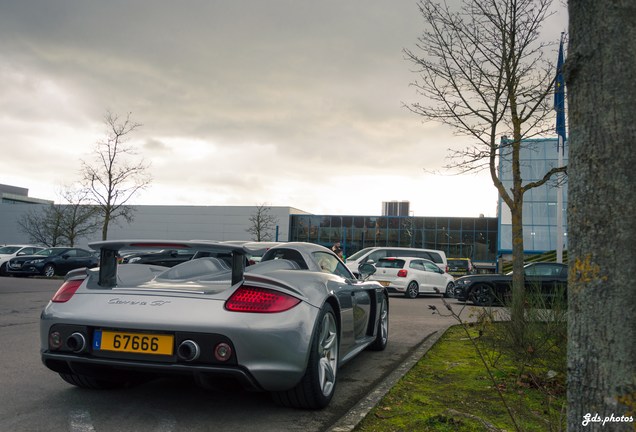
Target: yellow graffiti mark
(586, 271)
(628, 400)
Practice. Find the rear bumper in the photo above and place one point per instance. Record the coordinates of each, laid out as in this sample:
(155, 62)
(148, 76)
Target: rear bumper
(102, 368)
(270, 350)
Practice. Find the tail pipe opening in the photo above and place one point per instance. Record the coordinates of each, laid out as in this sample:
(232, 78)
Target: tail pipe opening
(188, 350)
(76, 342)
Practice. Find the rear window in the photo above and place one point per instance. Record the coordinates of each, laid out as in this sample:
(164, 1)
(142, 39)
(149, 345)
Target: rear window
(460, 264)
(432, 256)
(390, 263)
(435, 257)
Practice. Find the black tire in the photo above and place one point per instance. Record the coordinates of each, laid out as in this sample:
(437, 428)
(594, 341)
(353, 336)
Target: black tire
(482, 295)
(3, 269)
(382, 329)
(88, 382)
(412, 290)
(49, 270)
(316, 388)
(450, 287)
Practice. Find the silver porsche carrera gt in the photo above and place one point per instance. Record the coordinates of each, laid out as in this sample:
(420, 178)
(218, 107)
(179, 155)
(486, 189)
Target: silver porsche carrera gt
(284, 325)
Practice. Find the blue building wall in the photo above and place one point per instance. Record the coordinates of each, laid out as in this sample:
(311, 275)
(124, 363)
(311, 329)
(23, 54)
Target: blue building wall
(537, 157)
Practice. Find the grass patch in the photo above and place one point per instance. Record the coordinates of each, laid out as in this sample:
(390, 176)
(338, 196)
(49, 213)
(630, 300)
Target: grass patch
(449, 389)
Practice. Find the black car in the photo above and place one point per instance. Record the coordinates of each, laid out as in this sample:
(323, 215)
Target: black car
(548, 279)
(164, 257)
(52, 261)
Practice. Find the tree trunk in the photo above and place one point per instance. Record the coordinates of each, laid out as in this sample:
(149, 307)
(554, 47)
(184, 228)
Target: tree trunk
(517, 308)
(105, 226)
(601, 81)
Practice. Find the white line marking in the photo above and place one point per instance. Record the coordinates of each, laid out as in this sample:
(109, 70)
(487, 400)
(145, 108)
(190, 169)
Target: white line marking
(80, 421)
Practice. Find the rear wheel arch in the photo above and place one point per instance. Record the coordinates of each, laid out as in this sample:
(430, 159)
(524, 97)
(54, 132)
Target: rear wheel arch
(335, 305)
(412, 289)
(317, 386)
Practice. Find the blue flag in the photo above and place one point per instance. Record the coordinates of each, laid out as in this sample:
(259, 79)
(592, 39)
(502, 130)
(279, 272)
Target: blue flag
(559, 95)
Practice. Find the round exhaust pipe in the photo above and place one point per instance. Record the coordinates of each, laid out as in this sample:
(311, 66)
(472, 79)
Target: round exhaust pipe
(188, 350)
(76, 342)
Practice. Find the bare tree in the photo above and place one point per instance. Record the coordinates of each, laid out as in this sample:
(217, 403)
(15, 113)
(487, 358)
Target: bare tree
(112, 179)
(61, 224)
(599, 73)
(78, 219)
(43, 225)
(482, 73)
(262, 223)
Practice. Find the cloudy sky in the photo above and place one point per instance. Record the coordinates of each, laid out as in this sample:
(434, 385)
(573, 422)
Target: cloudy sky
(243, 102)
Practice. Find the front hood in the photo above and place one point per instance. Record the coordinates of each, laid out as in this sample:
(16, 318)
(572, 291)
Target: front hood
(24, 258)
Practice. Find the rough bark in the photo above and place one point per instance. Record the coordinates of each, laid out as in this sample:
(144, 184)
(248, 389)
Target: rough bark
(601, 80)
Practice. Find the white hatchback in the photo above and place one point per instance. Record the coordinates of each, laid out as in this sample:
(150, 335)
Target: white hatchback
(412, 276)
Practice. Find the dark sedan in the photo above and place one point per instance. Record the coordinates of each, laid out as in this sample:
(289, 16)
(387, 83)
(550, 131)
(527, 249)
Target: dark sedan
(52, 261)
(547, 279)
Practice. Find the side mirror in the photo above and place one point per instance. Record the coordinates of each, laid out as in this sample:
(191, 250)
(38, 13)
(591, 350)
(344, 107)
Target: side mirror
(65, 256)
(365, 270)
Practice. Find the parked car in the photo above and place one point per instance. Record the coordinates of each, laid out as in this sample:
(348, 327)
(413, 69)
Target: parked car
(284, 325)
(547, 279)
(164, 257)
(412, 276)
(460, 267)
(373, 254)
(51, 261)
(10, 251)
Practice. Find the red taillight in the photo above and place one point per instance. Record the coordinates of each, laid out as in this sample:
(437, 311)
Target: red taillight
(259, 300)
(402, 273)
(67, 290)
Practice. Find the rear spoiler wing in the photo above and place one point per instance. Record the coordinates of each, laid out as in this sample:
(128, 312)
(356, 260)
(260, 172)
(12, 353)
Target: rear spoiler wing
(109, 251)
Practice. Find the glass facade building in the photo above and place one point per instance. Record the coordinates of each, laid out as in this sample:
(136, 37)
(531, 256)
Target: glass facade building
(540, 229)
(474, 238)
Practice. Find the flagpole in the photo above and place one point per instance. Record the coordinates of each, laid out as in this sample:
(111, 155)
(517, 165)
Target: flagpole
(559, 106)
(559, 215)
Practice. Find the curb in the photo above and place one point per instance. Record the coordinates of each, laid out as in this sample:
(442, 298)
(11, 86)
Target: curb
(355, 415)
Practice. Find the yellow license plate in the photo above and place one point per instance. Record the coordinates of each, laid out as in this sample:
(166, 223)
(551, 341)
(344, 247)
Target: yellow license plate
(142, 343)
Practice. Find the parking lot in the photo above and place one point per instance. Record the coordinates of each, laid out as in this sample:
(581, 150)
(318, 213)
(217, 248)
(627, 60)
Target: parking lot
(34, 398)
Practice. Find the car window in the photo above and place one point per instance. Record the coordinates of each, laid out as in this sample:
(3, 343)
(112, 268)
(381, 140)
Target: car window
(288, 254)
(330, 264)
(8, 250)
(417, 265)
(542, 270)
(429, 266)
(82, 253)
(435, 257)
(360, 253)
(70, 253)
(390, 263)
(375, 256)
(460, 264)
